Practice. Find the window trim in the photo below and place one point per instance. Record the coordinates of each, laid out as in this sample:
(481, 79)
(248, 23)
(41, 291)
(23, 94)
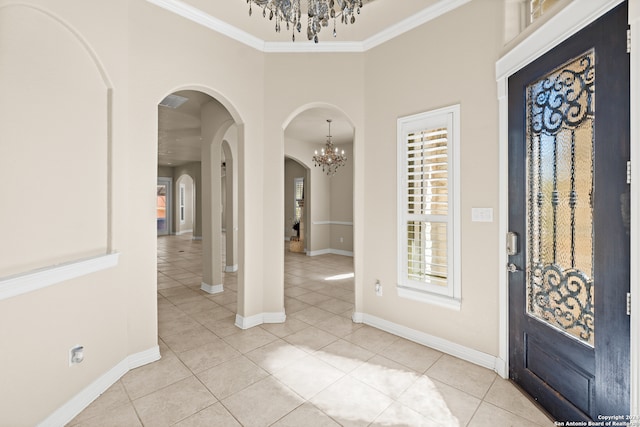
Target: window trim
(450, 296)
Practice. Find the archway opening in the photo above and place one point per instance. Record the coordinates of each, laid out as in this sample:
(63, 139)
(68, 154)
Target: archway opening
(325, 222)
(185, 204)
(197, 146)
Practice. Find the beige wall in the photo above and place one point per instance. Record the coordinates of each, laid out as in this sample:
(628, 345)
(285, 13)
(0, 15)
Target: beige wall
(59, 124)
(411, 74)
(113, 313)
(341, 235)
(56, 133)
(62, 215)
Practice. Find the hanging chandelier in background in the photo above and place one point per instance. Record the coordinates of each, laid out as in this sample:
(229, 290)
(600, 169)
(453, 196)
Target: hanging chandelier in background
(320, 12)
(329, 158)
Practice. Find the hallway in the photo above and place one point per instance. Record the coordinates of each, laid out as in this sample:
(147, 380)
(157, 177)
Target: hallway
(316, 369)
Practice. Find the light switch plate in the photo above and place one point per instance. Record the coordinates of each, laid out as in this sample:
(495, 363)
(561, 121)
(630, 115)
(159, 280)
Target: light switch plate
(482, 214)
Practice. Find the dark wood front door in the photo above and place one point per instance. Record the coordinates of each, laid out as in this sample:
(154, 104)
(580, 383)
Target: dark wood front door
(569, 207)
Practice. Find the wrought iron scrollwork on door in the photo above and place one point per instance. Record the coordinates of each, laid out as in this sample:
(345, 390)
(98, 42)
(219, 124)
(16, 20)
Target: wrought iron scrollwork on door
(560, 117)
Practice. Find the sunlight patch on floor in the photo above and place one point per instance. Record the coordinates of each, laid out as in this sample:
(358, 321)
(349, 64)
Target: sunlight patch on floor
(371, 392)
(340, 276)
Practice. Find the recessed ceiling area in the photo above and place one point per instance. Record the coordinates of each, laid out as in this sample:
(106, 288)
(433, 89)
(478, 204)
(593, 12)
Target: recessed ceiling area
(379, 19)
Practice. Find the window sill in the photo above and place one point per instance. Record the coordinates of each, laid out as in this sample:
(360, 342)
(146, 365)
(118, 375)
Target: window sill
(19, 284)
(429, 298)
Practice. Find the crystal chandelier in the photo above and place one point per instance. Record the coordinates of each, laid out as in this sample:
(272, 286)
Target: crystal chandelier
(329, 158)
(320, 12)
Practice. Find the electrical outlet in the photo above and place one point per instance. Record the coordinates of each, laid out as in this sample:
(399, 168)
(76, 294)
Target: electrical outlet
(378, 288)
(76, 355)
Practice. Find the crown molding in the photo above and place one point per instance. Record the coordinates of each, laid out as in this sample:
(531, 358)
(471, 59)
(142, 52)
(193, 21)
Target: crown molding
(311, 47)
(199, 17)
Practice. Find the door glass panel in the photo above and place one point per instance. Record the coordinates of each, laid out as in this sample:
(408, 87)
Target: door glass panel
(161, 208)
(560, 133)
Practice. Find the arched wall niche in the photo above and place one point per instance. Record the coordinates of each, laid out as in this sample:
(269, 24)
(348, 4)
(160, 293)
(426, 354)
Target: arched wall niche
(63, 79)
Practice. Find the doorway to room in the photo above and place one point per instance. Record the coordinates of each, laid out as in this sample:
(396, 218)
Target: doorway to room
(163, 206)
(197, 149)
(318, 211)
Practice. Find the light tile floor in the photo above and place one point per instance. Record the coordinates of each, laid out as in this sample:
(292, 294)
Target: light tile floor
(316, 369)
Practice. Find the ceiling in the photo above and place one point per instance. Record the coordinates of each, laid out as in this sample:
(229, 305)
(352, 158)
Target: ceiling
(179, 139)
(179, 130)
(379, 21)
(375, 16)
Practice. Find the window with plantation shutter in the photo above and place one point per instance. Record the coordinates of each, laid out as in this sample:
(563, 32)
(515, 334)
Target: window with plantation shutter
(427, 230)
(298, 194)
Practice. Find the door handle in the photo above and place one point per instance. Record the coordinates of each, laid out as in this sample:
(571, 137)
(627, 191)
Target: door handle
(512, 268)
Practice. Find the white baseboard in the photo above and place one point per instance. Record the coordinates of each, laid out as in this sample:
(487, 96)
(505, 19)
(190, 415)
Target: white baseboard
(501, 368)
(259, 319)
(231, 268)
(437, 343)
(341, 252)
(181, 232)
(196, 238)
(330, 251)
(318, 252)
(80, 401)
(211, 289)
(277, 317)
(248, 322)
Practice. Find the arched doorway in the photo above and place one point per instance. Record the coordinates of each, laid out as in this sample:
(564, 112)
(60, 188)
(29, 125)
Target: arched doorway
(185, 204)
(329, 197)
(197, 138)
(328, 208)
